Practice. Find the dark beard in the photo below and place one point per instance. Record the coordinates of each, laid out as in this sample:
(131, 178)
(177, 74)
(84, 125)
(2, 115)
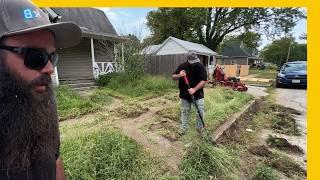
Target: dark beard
(28, 121)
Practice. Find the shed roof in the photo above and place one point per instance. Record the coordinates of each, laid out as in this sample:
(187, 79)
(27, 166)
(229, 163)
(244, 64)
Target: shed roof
(190, 46)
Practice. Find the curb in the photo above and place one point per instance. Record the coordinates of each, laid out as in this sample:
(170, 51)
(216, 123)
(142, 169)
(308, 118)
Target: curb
(259, 85)
(228, 126)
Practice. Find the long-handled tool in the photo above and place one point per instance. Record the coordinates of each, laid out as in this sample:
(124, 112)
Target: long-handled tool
(206, 135)
(194, 101)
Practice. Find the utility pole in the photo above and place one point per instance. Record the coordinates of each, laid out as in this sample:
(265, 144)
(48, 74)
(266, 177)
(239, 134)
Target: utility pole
(288, 55)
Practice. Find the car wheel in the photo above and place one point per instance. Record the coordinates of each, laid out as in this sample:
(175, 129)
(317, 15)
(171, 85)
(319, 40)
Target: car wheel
(278, 85)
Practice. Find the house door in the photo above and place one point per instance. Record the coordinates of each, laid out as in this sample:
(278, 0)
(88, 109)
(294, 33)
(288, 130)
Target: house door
(75, 63)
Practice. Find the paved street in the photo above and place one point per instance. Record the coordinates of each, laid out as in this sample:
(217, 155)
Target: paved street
(296, 99)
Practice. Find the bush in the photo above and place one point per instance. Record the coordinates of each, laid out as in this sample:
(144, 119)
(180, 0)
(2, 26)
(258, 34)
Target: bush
(104, 80)
(106, 155)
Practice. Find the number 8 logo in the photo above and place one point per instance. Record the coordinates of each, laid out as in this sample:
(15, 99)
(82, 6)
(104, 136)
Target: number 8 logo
(28, 14)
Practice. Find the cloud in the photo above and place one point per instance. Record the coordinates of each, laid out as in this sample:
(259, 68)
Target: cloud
(125, 14)
(110, 14)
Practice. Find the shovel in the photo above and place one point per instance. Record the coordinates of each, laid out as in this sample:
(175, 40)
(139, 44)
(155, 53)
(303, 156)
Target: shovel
(206, 136)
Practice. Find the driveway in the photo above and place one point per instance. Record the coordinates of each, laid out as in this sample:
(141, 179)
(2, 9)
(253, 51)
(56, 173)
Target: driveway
(296, 99)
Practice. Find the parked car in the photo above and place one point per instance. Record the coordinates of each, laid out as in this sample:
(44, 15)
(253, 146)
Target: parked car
(292, 74)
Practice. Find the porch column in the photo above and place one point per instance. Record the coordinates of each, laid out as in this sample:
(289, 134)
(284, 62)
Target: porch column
(56, 75)
(115, 51)
(92, 56)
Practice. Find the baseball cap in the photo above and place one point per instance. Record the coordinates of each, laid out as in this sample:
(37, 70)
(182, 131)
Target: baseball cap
(22, 16)
(193, 58)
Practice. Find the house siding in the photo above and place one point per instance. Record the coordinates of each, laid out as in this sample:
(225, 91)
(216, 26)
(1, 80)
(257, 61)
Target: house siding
(171, 47)
(76, 62)
(240, 61)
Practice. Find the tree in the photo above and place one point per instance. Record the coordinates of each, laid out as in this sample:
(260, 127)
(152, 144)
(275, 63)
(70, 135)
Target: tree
(250, 40)
(209, 26)
(166, 22)
(277, 51)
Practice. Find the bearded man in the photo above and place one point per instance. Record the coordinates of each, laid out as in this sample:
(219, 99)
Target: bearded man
(29, 134)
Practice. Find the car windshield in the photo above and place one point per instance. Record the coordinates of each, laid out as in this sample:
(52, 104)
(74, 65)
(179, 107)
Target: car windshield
(294, 67)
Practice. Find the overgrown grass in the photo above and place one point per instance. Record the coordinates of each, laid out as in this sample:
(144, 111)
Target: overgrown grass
(221, 102)
(71, 104)
(107, 155)
(204, 161)
(145, 86)
(264, 172)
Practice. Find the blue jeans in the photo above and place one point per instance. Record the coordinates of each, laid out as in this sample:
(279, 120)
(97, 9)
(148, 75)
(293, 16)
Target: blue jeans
(185, 113)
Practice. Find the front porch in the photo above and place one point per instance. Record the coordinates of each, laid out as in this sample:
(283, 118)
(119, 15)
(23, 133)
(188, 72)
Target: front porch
(86, 62)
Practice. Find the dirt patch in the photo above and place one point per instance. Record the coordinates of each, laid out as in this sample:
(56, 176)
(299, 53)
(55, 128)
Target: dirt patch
(262, 151)
(165, 127)
(155, 126)
(130, 110)
(170, 113)
(234, 131)
(284, 123)
(283, 144)
(279, 108)
(171, 136)
(287, 166)
(156, 138)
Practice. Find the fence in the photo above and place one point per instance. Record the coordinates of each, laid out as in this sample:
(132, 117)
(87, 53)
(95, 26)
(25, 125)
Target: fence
(236, 70)
(164, 64)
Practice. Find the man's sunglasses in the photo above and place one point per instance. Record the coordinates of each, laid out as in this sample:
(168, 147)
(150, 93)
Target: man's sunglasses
(34, 58)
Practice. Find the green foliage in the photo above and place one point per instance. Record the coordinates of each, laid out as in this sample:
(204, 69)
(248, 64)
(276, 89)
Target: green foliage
(203, 161)
(209, 26)
(264, 172)
(267, 73)
(103, 80)
(277, 51)
(71, 104)
(106, 155)
(251, 41)
(133, 63)
(147, 85)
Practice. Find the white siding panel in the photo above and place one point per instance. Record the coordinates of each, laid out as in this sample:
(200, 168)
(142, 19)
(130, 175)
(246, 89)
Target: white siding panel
(171, 47)
(75, 62)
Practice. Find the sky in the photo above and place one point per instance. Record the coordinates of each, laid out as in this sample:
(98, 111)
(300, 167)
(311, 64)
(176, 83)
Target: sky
(133, 21)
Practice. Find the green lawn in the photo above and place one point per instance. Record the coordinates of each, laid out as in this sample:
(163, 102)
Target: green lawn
(266, 74)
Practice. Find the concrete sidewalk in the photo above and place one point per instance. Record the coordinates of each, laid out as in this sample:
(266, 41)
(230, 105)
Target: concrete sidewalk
(246, 78)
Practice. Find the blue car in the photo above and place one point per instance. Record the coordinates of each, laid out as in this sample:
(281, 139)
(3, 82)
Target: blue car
(292, 74)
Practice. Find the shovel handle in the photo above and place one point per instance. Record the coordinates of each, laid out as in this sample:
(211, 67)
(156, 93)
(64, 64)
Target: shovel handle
(186, 80)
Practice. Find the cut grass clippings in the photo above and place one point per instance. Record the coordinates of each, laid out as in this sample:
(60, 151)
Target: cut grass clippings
(286, 165)
(283, 144)
(130, 109)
